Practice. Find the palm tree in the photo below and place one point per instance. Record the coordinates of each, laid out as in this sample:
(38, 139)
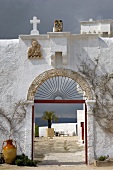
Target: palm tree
(49, 116)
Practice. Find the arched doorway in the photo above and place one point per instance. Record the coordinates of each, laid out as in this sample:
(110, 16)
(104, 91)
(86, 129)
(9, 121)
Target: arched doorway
(64, 84)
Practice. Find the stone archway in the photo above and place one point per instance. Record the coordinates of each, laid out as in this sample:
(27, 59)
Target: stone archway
(59, 72)
(39, 80)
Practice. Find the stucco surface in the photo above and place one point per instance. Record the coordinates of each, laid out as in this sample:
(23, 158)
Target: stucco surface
(17, 73)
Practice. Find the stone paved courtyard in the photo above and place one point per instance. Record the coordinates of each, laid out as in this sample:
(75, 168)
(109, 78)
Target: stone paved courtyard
(55, 167)
(59, 151)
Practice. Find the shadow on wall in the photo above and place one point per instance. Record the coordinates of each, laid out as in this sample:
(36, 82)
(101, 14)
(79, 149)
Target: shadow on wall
(89, 51)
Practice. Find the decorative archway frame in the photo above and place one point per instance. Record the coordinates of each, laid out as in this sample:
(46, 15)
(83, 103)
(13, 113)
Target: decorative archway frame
(89, 95)
(59, 72)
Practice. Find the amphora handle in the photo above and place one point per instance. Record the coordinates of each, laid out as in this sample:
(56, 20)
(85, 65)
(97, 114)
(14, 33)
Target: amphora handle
(13, 142)
(3, 144)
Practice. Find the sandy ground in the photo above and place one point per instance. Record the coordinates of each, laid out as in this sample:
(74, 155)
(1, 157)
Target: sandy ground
(55, 167)
(58, 153)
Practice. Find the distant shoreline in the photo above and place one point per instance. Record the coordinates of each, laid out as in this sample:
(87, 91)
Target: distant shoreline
(41, 122)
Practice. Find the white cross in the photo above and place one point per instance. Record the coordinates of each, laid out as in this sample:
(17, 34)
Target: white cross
(35, 21)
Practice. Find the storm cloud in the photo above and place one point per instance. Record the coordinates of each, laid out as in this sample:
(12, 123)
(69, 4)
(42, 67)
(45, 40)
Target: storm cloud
(15, 15)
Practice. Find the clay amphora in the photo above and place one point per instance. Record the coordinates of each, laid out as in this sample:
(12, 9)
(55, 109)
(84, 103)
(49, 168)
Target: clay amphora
(9, 151)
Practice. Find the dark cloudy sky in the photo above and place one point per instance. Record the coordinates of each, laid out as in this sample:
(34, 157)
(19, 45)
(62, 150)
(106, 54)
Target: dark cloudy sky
(15, 14)
(61, 110)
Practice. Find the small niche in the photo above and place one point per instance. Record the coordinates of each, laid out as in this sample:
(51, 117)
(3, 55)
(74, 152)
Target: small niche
(58, 59)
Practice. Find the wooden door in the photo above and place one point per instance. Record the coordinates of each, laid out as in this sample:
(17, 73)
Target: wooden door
(82, 125)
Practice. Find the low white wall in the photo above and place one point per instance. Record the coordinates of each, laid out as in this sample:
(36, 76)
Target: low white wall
(65, 128)
(42, 131)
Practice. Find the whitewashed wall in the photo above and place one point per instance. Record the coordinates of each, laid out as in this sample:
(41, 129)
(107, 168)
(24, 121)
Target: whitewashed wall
(17, 72)
(103, 142)
(42, 131)
(68, 129)
(90, 28)
(95, 27)
(80, 118)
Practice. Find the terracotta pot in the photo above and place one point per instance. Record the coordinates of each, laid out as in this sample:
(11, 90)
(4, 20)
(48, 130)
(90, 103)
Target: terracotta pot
(9, 151)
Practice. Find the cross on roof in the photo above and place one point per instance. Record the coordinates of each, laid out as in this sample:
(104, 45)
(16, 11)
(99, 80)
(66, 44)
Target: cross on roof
(35, 21)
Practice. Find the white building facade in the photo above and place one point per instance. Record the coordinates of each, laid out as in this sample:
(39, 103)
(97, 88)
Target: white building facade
(100, 27)
(61, 52)
(60, 129)
(81, 125)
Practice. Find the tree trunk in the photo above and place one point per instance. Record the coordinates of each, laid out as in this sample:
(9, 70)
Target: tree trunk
(49, 123)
